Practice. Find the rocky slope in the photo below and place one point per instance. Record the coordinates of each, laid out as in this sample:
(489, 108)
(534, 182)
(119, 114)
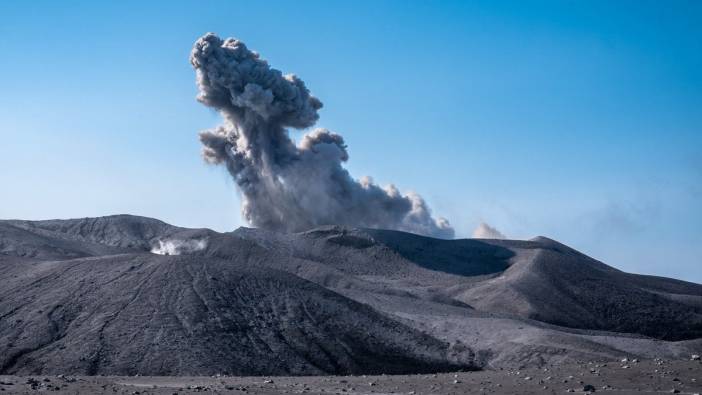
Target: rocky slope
(125, 295)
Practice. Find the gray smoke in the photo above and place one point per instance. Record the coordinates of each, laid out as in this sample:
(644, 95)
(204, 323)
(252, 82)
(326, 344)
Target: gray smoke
(178, 247)
(485, 231)
(285, 186)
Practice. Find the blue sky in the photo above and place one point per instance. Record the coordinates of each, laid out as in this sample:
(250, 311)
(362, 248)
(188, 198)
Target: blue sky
(578, 120)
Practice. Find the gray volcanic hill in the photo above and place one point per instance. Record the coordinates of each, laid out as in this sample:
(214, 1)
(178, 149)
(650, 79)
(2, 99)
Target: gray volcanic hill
(122, 295)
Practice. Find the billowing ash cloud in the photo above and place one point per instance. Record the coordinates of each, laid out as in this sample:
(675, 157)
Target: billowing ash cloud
(286, 186)
(485, 231)
(178, 247)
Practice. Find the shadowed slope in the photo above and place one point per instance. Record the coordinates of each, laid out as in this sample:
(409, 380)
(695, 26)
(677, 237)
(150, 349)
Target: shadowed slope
(191, 315)
(556, 284)
(16, 240)
(125, 231)
(539, 279)
(466, 257)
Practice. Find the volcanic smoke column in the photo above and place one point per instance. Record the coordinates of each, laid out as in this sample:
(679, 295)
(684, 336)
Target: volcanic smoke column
(285, 186)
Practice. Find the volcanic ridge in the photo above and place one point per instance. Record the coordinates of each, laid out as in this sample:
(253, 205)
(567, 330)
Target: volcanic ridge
(125, 295)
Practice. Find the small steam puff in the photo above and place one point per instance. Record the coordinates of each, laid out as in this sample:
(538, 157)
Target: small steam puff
(178, 247)
(285, 186)
(485, 231)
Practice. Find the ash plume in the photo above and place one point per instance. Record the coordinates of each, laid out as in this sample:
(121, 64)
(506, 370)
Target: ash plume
(287, 186)
(485, 231)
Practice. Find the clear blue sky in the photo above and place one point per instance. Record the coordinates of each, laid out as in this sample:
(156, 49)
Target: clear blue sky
(578, 120)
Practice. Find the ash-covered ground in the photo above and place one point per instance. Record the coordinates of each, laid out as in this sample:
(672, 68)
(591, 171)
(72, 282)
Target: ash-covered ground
(125, 295)
(627, 376)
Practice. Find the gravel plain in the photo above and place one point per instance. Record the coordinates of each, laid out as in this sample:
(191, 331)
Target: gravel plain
(622, 377)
